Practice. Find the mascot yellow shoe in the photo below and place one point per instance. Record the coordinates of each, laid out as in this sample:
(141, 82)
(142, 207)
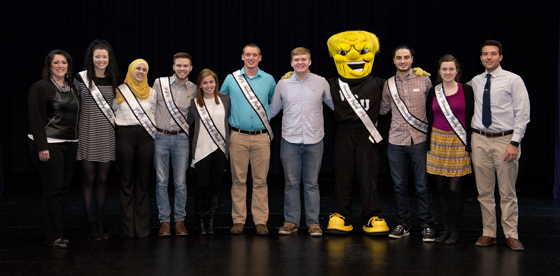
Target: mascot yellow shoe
(337, 225)
(376, 227)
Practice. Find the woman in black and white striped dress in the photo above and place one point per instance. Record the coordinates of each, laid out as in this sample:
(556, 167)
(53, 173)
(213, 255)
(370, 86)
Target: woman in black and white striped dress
(96, 147)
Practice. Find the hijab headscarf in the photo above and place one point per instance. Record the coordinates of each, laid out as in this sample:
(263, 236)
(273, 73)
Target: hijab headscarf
(141, 89)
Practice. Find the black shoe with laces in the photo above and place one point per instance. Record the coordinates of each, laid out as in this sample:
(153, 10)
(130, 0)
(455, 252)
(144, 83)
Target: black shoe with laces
(399, 232)
(428, 234)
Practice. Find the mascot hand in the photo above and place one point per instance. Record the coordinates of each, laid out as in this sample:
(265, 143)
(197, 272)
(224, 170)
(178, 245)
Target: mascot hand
(419, 72)
(287, 76)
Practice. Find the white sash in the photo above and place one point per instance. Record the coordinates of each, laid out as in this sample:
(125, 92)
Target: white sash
(176, 114)
(374, 137)
(253, 100)
(449, 115)
(99, 99)
(401, 106)
(208, 123)
(137, 110)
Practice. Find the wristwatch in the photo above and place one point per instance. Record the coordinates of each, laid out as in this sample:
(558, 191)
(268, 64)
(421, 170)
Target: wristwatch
(514, 143)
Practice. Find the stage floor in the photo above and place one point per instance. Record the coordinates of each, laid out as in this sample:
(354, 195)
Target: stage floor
(22, 251)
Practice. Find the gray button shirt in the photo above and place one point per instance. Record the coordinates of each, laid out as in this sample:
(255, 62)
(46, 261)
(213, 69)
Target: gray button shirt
(302, 101)
(182, 95)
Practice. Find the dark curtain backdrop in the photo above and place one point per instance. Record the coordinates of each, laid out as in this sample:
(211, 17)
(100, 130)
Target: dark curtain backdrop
(214, 32)
(557, 144)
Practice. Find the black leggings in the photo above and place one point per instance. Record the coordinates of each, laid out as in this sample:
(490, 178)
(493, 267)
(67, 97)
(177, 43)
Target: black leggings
(449, 190)
(94, 187)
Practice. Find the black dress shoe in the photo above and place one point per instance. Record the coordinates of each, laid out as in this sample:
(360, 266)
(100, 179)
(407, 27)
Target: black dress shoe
(452, 241)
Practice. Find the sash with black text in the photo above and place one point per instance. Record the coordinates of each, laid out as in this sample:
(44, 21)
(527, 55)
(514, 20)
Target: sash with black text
(449, 115)
(374, 137)
(401, 106)
(137, 110)
(208, 123)
(99, 99)
(178, 117)
(253, 100)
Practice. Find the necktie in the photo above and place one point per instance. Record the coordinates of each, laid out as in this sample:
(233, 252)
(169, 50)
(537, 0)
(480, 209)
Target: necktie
(486, 113)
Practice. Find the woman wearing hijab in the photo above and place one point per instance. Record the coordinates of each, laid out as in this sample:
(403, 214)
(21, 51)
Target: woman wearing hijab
(97, 85)
(450, 107)
(53, 108)
(210, 112)
(135, 108)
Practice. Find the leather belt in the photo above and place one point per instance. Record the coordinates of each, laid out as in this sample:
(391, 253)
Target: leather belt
(493, 134)
(250, 132)
(169, 131)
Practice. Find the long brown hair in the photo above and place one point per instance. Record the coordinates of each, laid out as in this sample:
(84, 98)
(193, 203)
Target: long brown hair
(199, 94)
(111, 72)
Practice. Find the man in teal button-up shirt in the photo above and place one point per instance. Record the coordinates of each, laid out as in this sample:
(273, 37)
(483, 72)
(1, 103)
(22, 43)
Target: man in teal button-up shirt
(249, 141)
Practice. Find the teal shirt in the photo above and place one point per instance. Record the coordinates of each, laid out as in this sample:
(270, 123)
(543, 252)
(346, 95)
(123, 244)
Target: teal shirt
(243, 116)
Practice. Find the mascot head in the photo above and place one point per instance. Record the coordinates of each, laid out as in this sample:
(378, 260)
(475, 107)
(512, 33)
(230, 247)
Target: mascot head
(353, 53)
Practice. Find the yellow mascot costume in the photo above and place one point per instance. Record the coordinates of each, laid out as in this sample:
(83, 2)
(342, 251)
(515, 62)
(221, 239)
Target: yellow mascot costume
(357, 98)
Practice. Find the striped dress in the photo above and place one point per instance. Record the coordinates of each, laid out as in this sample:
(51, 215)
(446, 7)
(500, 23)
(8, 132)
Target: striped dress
(96, 134)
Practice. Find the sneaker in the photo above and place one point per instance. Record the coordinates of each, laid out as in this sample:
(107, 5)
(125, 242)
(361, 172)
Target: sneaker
(315, 230)
(376, 227)
(287, 229)
(337, 225)
(399, 232)
(58, 243)
(428, 234)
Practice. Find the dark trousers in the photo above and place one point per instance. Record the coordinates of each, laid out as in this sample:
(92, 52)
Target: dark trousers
(56, 176)
(355, 158)
(135, 153)
(399, 159)
(209, 173)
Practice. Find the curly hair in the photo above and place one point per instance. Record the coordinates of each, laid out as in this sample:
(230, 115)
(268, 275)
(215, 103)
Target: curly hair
(111, 72)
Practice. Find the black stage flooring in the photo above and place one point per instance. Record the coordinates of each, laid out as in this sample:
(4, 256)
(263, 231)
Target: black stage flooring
(22, 251)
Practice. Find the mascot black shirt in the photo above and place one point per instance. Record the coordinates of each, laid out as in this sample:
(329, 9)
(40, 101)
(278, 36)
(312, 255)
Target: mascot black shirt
(368, 91)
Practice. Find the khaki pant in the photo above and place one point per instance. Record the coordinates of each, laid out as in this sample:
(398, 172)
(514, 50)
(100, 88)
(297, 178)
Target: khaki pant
(488, 160)
(245, 148)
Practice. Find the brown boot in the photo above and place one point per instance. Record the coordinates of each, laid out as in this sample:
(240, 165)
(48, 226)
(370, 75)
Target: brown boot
(164, 230)
(180, 229)
(237, 228)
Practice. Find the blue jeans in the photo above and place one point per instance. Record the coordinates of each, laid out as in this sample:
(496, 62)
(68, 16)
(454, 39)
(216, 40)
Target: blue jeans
(176, 146)
(399, 159)
(301, 161)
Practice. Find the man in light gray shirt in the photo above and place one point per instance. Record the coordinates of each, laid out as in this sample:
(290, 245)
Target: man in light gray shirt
(174, 96)
(301, 96)
(501, 115)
